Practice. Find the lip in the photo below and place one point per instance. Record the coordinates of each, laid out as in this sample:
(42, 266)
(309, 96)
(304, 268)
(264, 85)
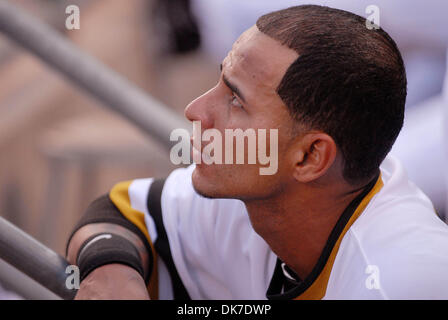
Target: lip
(197, 156)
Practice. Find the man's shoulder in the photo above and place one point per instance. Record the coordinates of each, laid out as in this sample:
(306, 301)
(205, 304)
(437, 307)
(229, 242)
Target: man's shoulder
(400, 215)
(399, 198)
(401, 237)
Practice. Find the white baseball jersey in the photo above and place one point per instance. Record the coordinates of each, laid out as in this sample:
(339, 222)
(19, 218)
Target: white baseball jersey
(388, 244)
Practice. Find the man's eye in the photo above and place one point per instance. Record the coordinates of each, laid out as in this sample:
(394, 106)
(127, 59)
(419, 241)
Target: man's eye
(234, 101)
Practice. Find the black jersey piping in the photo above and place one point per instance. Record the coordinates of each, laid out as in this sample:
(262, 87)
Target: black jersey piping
(161, 244)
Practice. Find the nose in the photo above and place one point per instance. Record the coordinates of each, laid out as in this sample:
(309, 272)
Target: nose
(200, 110)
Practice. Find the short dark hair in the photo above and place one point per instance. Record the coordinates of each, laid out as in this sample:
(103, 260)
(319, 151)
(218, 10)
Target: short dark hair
(348, 81)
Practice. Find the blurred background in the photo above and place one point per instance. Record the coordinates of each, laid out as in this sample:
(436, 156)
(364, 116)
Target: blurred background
(60, 149)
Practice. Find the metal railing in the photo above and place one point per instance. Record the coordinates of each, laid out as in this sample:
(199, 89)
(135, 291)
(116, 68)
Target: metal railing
(34, 259)
(16, 247)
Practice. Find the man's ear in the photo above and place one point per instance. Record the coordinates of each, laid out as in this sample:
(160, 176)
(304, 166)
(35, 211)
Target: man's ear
(314, 155)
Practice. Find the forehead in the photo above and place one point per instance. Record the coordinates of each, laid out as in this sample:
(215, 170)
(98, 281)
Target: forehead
(258, 58)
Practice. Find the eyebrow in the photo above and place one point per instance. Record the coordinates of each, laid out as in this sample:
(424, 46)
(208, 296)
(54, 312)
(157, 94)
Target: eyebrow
(232, 87)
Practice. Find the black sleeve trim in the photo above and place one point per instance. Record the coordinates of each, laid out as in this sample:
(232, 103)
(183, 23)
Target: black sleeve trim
(104, 210)
(162, 245)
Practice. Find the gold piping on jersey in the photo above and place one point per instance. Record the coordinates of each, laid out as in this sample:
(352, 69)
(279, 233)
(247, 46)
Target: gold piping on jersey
(119, 195)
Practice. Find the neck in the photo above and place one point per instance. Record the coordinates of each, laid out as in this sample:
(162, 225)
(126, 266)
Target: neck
(296, 225)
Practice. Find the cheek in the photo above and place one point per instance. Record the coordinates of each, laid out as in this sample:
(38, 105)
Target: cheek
(252, 185)
(230, 117)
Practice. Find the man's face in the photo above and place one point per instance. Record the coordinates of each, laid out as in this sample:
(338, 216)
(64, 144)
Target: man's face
(245, 98)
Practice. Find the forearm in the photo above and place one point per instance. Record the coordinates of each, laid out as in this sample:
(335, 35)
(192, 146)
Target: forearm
(113, 282)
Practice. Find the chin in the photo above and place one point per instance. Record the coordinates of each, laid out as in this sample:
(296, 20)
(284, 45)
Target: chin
(217, 181)
(205, 186)
(205, 193)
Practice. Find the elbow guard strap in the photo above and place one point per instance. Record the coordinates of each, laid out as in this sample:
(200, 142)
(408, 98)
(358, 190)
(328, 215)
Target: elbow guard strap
(107, 248)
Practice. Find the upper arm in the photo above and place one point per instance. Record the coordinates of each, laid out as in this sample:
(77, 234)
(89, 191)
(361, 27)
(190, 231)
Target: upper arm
(140, 202)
